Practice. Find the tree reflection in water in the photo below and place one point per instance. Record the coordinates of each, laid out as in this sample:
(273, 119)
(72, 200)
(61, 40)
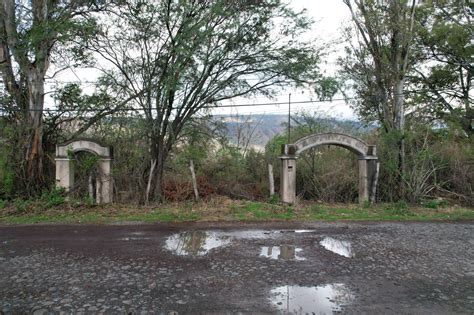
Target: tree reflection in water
(195, 243)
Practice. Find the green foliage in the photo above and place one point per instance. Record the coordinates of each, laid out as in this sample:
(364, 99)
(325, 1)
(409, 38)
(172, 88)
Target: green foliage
(444, 50)
(3, 204)
(6, 179)
(399, 208)
(434, 203)
(22, 206)
(215, 51)
(7, 160)
(54, 197)
(274, 200)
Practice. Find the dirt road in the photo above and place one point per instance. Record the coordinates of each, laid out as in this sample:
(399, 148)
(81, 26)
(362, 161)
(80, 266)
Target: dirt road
(225, 268)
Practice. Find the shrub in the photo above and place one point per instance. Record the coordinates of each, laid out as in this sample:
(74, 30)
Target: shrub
(53, 197)
(398, 208)
(434, 203)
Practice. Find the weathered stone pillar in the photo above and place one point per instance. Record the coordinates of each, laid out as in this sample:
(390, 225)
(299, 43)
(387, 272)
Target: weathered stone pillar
(368, 176)
(64, 173)
(373, 174)
(104, 189)
(363, 181)
(288, 178)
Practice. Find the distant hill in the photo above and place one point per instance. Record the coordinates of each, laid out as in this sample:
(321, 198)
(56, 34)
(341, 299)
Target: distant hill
(259, 129)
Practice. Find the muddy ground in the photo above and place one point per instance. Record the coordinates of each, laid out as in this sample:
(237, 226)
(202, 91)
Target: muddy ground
(233, 268)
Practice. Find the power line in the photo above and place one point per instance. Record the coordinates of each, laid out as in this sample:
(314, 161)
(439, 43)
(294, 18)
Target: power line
(125, 109)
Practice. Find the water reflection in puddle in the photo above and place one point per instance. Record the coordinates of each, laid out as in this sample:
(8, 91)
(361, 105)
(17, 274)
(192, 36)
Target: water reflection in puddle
(342, 248)
(196, 243)
(281, 252)
(199, 243)
(324, 299)
(133, 238)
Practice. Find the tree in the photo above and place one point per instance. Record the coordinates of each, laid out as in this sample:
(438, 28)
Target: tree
(30, 33)
(181, 57)
(378, 62)
(443, 81)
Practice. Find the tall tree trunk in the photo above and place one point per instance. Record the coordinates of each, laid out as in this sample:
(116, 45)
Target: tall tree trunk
(158, 186)
(399, 105)
(33, 154)
(150, 179)
(271, 181)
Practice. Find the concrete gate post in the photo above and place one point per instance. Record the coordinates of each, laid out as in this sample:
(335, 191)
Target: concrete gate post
(104, 187)
(368, 176)
(288, 178)
(373, 175)
(363, 181)
(64, 173)
(288, 173)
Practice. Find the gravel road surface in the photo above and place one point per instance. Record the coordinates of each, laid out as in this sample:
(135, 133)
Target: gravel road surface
(235, 268)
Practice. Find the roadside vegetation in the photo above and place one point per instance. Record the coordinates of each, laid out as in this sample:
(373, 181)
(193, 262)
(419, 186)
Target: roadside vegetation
(409, 77)
(226, 209)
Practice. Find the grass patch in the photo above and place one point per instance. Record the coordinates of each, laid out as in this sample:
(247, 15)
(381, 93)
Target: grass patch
(218, 209)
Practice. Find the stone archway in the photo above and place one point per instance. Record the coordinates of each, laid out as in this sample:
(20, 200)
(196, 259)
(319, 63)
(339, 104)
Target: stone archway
(368, 163)
(65, 167)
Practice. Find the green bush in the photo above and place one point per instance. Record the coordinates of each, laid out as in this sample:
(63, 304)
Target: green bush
(3, 204)
(21, 205)
(53, 197)
(6, 179)
(274, 200)
(434, 203)
(398, 208)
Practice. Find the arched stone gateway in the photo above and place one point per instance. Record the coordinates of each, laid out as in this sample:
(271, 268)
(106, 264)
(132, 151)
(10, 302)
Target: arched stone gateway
(368, 163)
(65, 167)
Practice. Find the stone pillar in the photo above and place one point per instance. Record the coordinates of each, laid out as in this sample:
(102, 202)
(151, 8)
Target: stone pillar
(64, 173)
(373, 174)
(104, 189)
(288, 178)
(368, 177)
(363, 181)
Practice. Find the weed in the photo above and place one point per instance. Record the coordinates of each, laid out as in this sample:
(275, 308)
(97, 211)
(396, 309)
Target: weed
(253, 207)
(21, 206)
(367, 204)
(399, 208)
(274, 200)
(53, 197)
(88, 201)
(434, 203)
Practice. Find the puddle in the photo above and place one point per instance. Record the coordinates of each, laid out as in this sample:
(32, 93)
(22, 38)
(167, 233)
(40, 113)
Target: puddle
(342, 248)
(281, 252)
(197, 243)
(249, 234)
(305, 231)
(324, 299)
(133, 238)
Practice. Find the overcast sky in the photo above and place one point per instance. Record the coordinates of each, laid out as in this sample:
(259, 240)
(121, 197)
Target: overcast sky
(329, 15)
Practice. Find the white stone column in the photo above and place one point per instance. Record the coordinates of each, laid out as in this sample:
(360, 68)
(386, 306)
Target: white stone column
(363, 181)
(64, 173)
(288, 178)
(104, 189)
